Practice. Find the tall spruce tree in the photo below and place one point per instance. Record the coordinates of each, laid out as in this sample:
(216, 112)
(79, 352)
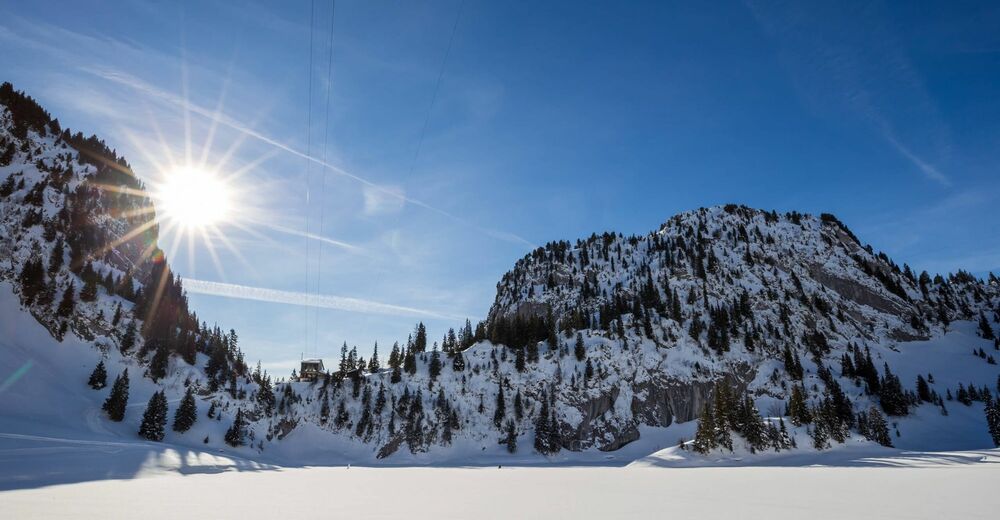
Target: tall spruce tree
(511, 437)
(579, 350)
(236, 433)
(99, 377)
(158, 365)
(187, 412)
(154, 420)
(985, 330)
(117, 400)
(501, 408)
(878, 429)
(992, 411)
(128, 338)
(67, 303)
(542, 433)
(798, 410)
(704, 437)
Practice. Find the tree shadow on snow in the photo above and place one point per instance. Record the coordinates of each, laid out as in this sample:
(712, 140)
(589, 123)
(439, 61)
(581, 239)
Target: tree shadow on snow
(28, 462)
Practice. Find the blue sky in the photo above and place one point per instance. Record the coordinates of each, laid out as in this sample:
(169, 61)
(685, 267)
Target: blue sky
(539, 122)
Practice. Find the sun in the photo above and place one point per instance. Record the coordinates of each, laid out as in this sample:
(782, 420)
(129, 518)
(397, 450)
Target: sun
(194, 198)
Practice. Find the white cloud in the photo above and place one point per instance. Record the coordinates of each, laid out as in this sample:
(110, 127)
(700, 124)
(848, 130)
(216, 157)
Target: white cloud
(344, 303)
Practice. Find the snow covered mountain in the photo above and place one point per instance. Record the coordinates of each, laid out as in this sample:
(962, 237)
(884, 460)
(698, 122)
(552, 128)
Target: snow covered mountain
(781, 332)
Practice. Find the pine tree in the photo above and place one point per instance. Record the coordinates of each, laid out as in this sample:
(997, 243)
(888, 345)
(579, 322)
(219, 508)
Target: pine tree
(518, 406)
(704, 437)
(117, 400)
(128, 339)
(89, 291)
(236, 433)
(373, 363)
(511, 439)
(154, 420)
(187, 413)
(158, 365)
(434, 367)
(992, 411)
(420, 338)
(820, 437)
(56, 258)
(67, 303)
(984, 327)
(99, 377)
(878, 429)
(798, 410)
(891, 395)
(579, 350)
(723, 411)
(542, 433)
(501, 408)
(923, 390)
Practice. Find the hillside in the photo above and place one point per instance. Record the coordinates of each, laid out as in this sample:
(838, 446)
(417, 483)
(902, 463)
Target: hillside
(782, 332)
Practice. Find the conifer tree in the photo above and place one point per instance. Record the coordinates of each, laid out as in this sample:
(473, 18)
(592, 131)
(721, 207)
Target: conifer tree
(798, 410)
(117, 400)
(187, 413)
(992, 411)
(373, 363)
(891, 394)
(820, 437)
(161, 356)
(579, 350)
(419, 338)
(501, 408)
(99, 377)
(985, 330)
(56, 258)
(704, 438)
(511, 439)
(923, 390)
(265, 395)
(723, 412)
(410, 362)
(542, 433)
(128, 339)
(236, 433)
(154, 420)
(458, 362)
(878, 429)
(67, 303)
(434, 367)
(89, 291)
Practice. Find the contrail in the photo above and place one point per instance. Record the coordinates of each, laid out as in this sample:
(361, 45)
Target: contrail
(311, 236)
(342, 303)
(137, 84)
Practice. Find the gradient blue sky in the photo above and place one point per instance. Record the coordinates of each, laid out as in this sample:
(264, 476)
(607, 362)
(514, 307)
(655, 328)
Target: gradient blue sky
(551, 121)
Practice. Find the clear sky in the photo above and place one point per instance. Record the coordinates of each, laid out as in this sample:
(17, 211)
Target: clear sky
(460, 134)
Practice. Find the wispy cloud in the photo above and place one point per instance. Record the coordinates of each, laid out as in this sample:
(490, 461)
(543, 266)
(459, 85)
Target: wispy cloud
(215, 116)
(844, 58)
(81, 53)
(343, 303)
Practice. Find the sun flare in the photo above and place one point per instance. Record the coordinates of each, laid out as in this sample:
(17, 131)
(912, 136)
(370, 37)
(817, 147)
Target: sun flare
(195, 198)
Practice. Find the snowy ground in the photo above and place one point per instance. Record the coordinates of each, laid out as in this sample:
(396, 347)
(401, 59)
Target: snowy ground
(959, 485)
